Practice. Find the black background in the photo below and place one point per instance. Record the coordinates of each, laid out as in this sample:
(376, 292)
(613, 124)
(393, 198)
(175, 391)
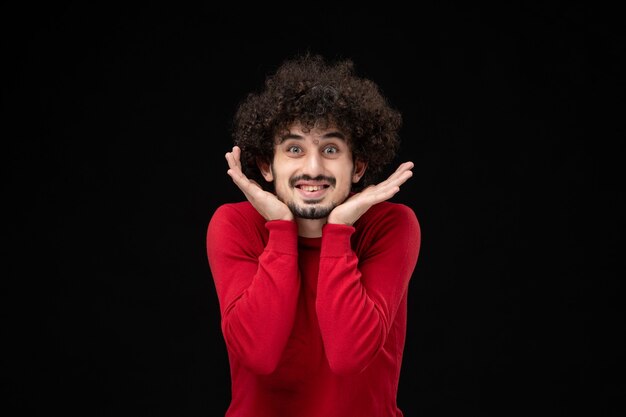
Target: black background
(116, 121)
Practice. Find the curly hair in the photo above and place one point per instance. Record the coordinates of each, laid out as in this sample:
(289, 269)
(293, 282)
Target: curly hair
(316, 93)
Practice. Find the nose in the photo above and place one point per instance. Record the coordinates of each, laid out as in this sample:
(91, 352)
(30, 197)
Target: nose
(314, 164)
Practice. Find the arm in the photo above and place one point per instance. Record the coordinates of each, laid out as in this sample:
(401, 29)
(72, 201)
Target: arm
(357, 299)
(257, 286)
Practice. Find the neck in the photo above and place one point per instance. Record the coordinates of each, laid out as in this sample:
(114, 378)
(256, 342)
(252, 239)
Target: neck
(309, 227)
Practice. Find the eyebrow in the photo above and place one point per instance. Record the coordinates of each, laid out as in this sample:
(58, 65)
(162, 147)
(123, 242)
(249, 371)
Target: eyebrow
(335, 134)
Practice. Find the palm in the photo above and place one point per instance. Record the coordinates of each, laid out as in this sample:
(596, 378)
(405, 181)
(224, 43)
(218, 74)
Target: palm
(267, 204)
(353, 208)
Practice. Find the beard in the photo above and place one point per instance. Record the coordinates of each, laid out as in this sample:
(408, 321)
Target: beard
(312, 212)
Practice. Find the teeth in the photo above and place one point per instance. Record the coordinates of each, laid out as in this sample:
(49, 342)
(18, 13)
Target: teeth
(311, 187)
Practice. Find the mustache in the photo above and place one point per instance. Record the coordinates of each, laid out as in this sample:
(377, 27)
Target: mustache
(319, 178)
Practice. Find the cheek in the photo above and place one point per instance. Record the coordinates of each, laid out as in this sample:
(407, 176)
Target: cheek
(281, 179)
(347, 175)
(344, 183)
(282, 175)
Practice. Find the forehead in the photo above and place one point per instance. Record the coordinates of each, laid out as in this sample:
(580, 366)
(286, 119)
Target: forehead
(299, 132)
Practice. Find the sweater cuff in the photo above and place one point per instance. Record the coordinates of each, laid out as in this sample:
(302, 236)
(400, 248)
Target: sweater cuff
(283, 236)
(336, 240)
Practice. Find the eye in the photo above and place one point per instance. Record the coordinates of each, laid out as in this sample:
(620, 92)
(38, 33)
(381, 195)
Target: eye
(330, 150)
(294, 149)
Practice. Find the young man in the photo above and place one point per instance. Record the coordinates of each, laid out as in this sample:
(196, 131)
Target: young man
(312, 271)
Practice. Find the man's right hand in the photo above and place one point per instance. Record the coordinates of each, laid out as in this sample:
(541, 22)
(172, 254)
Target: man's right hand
(267, 204)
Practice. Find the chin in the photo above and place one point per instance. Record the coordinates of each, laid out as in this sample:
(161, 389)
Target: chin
(311, 211)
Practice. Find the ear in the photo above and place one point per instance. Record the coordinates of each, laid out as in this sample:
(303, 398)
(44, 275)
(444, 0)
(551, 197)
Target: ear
(359, 169)
(266, 170)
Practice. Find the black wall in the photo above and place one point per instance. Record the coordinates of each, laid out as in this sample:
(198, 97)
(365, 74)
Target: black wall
(116, 120)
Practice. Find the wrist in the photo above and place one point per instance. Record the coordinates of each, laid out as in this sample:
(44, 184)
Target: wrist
(335, 220)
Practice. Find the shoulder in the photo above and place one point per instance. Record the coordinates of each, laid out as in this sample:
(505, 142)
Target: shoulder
(237, 209)
(236, 215)
(387, 220)
(390, 214)
(387, 226)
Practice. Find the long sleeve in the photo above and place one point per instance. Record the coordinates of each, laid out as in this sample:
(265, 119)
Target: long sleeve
(257, 284)
(358, 297)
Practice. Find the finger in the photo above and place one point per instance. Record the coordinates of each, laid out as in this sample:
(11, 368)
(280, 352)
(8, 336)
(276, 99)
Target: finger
(401, 174)
(405, 167)
(229, 159)
(394, 180)
(234, 158)
(402, 177)
(238, 177)
(249, 187)
(385, 194)
(386, 189)
(236, 150)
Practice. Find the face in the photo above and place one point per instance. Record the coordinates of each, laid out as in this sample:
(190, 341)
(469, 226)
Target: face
(312, 171)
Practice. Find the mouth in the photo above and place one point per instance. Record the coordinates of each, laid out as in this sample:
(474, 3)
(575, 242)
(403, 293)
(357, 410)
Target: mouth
(309, 191)
(312, 190)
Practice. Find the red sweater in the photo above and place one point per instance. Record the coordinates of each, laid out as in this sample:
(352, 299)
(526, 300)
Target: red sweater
(314, 327)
